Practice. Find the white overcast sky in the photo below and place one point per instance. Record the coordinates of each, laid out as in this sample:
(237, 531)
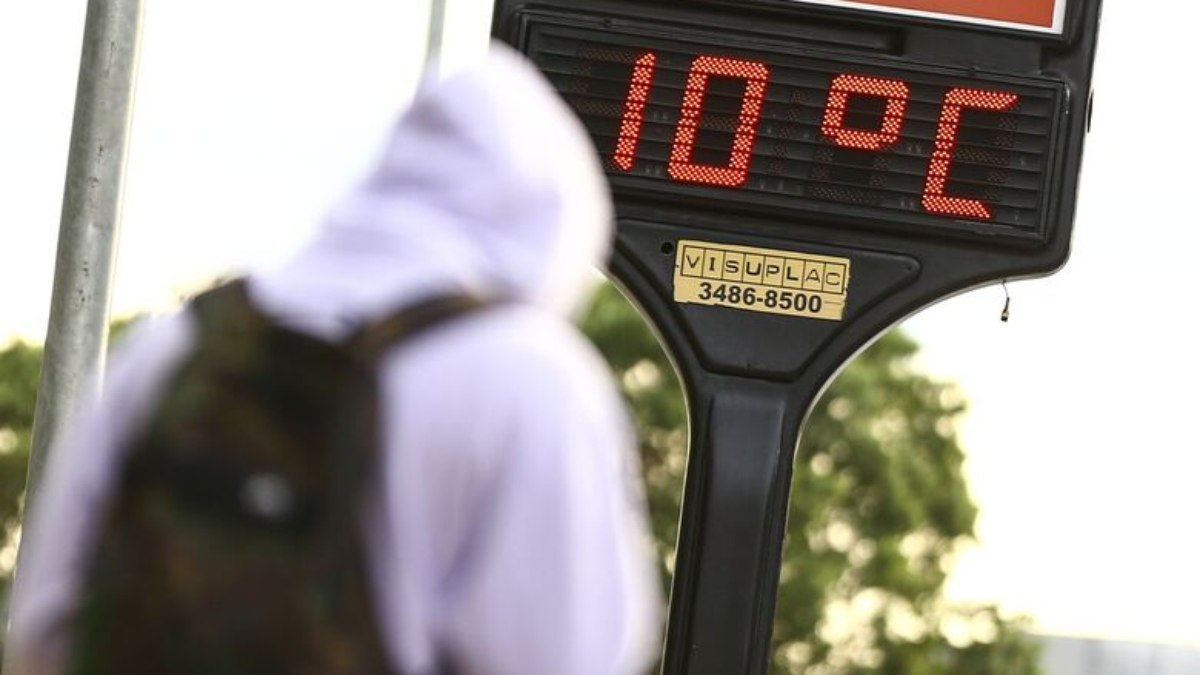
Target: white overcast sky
(252, 116)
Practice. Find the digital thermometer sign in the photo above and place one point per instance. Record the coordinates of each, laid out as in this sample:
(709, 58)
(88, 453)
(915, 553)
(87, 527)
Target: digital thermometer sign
(791, 179)
(851, 138)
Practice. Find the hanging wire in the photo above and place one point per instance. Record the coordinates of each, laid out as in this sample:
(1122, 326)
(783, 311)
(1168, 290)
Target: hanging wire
(1007, 301)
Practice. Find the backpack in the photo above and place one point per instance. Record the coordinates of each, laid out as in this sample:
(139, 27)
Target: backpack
(233, 541)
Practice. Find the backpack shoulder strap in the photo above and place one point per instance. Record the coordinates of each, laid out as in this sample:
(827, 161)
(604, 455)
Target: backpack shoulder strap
(228, 310)
(374, 338)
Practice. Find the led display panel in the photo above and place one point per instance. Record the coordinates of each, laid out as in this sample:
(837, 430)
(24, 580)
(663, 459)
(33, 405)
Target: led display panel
(853, 139)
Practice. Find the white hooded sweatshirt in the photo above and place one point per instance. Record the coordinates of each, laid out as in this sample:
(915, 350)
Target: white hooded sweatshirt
(508, 532)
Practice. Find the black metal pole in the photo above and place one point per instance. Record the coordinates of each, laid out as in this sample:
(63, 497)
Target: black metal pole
(743, 439)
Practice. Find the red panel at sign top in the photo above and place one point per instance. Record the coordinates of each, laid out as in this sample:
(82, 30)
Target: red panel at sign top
(1039, 13)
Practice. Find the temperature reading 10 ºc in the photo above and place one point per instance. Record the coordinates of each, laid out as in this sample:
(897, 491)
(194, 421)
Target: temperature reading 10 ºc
(894, 93)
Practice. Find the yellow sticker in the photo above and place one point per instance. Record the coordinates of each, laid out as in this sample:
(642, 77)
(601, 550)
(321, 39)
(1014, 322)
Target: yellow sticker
(761, 280)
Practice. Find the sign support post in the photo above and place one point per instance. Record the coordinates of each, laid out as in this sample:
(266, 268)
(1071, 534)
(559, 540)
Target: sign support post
(734, 553)
(745, 427)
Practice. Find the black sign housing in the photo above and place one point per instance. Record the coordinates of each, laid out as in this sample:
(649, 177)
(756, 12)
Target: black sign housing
(925, 156)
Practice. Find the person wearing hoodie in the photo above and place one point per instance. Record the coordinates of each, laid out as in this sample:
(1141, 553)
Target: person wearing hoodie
(505, 529)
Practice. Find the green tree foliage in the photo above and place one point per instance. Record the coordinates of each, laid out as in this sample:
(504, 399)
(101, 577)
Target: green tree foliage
(20, 366)
(879, 506)
(20, 370)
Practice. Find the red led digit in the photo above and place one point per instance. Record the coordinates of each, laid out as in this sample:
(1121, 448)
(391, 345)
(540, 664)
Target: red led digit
(843, 87)
(935, 199)
(635, 111)
(734, 173)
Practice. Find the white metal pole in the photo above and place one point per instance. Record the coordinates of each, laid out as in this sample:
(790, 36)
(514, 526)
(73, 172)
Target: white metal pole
(437, 28)
(77, 333)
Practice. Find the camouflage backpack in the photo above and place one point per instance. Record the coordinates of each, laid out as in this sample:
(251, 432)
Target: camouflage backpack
(232, 545)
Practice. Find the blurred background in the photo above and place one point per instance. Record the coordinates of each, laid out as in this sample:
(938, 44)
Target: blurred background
(1033, 482)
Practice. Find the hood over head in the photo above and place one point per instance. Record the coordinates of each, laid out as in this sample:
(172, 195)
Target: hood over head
(488, 183)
